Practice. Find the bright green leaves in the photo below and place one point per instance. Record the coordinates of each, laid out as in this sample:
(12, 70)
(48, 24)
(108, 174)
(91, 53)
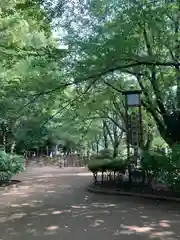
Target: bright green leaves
(10, 165)
(138, 40)
(28, 70)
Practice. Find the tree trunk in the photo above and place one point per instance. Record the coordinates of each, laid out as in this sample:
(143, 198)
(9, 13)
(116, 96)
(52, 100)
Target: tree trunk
(13, 145)
(97, 145)
(115, 149)
(116, 138)
(105, 135)
(4, 142)
(148, 143)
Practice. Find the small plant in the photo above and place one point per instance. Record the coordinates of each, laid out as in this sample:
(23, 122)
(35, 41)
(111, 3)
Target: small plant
(10, 165)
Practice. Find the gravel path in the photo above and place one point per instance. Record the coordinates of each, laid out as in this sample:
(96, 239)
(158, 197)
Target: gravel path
(54, 204)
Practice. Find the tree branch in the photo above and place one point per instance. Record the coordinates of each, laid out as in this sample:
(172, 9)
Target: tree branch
(109, 133)
(153, 78)
(77, 98)
(113, 87)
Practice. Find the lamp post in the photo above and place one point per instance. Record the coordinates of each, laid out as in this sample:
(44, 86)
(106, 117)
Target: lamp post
(134, 131)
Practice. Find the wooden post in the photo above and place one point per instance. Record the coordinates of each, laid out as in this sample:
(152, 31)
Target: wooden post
(127, 141)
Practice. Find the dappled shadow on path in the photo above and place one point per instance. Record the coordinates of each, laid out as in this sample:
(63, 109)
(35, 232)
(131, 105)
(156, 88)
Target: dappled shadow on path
(64, 210)
(35, 183)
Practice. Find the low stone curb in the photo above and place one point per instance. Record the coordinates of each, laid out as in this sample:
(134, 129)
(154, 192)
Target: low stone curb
(120, 193)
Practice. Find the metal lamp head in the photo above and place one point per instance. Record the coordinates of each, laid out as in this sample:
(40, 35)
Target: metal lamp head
(133, 98)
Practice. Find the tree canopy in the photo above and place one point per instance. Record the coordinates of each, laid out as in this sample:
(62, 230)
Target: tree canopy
(54, 95)
(131, 45)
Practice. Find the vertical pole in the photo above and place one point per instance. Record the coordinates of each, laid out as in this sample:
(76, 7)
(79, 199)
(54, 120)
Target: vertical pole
(140, 123)
(140, 127)
(141, 143)
(127, 140)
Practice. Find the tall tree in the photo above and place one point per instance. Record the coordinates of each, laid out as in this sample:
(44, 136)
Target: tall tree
(28, 66)
(138, 41)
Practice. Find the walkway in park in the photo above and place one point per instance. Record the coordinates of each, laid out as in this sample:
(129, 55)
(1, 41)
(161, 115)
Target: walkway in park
(54, 204)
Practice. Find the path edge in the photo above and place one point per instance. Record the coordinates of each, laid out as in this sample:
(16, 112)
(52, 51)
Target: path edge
(138, 195)
(11, 186)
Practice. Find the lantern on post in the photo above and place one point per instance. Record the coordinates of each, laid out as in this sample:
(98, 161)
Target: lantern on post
(134, 132)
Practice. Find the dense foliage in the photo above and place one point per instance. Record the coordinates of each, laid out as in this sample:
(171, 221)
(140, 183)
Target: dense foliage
(104, 161)
(166, 167)
(10, 164)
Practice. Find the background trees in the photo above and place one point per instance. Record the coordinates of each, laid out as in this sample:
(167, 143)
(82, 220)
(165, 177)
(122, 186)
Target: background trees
(28, 71)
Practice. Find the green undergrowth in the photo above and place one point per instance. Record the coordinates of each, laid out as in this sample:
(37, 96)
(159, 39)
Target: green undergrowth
(164, 167)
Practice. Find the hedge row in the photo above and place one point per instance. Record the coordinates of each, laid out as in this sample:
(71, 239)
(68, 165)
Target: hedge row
(102, 165)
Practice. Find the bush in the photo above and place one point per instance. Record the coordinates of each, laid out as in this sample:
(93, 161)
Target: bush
(102, 165)
(164, 167)
(103, 154)
(104, 161)
(97, 165)
(10, 165)
(154, 161)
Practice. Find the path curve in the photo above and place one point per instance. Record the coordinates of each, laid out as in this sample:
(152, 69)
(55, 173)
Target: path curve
(54, 203)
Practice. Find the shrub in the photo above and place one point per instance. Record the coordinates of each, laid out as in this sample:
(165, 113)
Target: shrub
(104, 161)
(175, 156)
(165, 167)
(105, 154)
(10, 165)
(102, 165)
(154, 161)
(98, 165)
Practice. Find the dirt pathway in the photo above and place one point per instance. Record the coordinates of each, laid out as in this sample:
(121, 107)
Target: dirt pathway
(53, 203)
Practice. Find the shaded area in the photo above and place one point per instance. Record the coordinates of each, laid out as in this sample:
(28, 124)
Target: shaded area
(9, 183)
(136, 188)
(60, 207)
(119, 182)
